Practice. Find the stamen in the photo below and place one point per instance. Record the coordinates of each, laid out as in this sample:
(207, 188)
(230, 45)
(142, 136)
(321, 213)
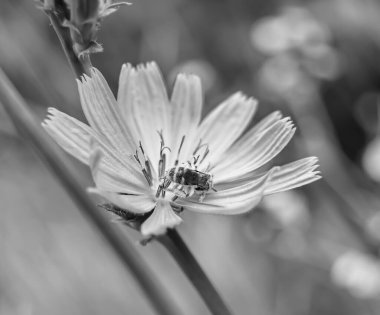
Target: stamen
(136, 156)
(199, 146)
(207, 151)
(162, 165)
(148, 168)
(163, 148)
(162, 161)
(147, 161)
(162, 188)
(147, 177)
(141, 148)
(159, 189)
(180, 146)
(147, 174)
(179, 151)
(161, 137)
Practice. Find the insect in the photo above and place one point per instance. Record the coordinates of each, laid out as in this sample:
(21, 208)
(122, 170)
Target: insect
(185, 181)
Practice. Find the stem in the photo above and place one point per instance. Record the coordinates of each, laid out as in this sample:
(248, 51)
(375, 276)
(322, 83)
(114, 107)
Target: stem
(173, 242)
(24, 120)
(80, 65)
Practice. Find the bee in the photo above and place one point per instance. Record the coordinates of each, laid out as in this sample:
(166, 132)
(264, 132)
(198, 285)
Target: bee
(185, 181)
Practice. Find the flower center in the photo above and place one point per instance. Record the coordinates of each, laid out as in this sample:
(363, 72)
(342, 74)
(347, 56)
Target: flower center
(182, 180)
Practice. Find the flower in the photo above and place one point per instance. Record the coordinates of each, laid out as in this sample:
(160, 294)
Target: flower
(139, 146)
(359, 273)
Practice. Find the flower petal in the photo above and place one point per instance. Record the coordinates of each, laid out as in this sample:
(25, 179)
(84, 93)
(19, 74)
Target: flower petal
(246, 156)
(143, 98)
(118, 180)
(125, 98)
(133, 203)
(101, 110)
(71, 134)
(230, 209)
(77, 139)
(226, 123)
(294, 175)
(263, 124)
(186, 104)
(162, 218)
(234, 200)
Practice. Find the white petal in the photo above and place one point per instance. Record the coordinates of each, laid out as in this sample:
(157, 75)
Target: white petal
(101, 110)
(76, 138)
(294, 175)
(226, 123)
(116, 180)
(133, 203)
(125, 98)
(162, 218)
(143, 98)
(244, 145)
(235, 200)
(245, 157)
(186, 104)
(71, 134)
(230, 209)
(263, 124)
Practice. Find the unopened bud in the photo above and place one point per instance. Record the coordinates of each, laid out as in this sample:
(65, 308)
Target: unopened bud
(83, 18)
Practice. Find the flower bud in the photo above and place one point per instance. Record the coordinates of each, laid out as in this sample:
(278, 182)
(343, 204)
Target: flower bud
(82, 18)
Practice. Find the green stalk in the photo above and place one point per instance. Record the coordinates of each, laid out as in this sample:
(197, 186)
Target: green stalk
(173, 242)
(25, 122)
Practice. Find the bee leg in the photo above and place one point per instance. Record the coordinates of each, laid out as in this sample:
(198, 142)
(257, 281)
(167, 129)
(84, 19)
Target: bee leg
(178, 190)
(190, 191)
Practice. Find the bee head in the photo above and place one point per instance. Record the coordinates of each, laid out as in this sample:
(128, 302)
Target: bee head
(205, 181)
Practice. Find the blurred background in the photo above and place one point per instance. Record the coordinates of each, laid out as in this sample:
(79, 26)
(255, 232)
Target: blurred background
(313, 250)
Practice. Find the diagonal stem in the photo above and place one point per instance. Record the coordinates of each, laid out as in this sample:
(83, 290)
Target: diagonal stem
(173, 242)
(24, 120)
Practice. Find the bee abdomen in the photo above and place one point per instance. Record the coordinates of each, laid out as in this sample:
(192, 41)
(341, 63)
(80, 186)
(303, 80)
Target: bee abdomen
(183, 175)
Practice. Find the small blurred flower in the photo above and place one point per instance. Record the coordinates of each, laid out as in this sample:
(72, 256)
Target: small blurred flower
(299, 54)
(294, 28)
(373, 226)
(154, 157)
(203, 69)
(288, 208)
(371, 155)
(371, 158)
(358, 273)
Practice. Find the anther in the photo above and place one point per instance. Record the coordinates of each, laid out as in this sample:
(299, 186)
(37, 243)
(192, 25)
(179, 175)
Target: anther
(162, 161)
(158, 193)
(148, 168)
(147, 174)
